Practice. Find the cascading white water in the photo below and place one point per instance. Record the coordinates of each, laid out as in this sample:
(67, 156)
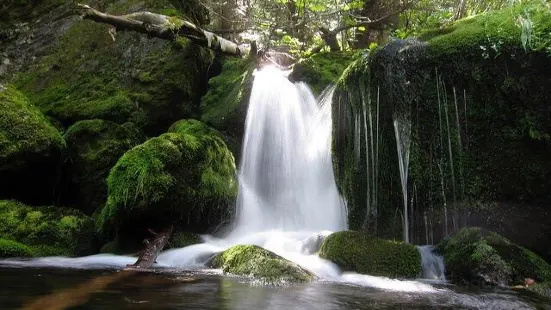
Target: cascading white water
(432, 265)
(402, 130)
(286, 177)
(288, 200)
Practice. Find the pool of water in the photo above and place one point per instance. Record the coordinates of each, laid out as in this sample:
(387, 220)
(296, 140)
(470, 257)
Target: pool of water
(49, 288)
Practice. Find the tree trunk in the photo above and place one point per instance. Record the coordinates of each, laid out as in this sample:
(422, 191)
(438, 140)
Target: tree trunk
(330, 38)
(460, 13)
(162, 26)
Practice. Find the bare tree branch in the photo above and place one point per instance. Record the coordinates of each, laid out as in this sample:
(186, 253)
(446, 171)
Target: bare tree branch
(162, 26)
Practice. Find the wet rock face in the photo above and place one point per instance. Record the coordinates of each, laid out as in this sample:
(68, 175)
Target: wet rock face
(476, 103)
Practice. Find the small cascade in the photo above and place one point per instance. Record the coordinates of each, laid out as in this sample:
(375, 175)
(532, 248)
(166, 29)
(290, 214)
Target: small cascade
(432, 265)
(402, 129)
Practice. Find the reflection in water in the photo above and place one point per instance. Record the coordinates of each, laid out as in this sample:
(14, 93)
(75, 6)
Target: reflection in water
(146, 290)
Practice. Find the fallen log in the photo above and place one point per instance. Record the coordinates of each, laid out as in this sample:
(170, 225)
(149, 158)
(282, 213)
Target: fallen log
(153, 247)
(161, 26)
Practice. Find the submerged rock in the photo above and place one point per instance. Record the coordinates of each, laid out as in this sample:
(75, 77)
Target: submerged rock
(257, 262)
(185, 177)
(474, 255)
(354, 251)
(30, 150)
(47, 230)
(94, 146)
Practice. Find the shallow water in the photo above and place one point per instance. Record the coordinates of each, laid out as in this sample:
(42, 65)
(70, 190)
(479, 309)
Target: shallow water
(169, 289)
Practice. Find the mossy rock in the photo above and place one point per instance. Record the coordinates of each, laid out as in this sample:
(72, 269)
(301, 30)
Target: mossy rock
(30, 149)
(10, 248)
(47, 230)
(85, 74)
(182, 239)
(321, 69)
(474, 254)
(224, 106)
(185, 177)
(259, 263)
(354, 251)
(476, 99)
(94, 147)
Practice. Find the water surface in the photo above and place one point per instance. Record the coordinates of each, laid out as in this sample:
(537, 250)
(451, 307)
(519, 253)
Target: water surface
(169, 289)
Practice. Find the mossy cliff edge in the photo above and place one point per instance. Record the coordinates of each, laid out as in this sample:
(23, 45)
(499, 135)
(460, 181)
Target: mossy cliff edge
(474, 99)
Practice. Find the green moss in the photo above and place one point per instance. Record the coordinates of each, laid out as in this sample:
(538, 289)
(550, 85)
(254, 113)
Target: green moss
(353, 251)
(47, 230)
(479, 73)
(474, 253)
(10, 248)
(87, 75)
(225, 104)
(94, 146)
(176, 176)
(321, 69)
(30, 149)
(254, 261)
(183, 239)
(24, 129)
(488, 33)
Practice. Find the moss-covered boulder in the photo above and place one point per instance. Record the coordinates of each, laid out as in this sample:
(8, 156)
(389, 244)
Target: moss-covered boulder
(93, 148)
(185, 177)
(472, 99)
(354, 251)
(82, 73)
(30, 150)
(10, 248)
(254, 261)
(321, 69)
(224, 106)
(47, 230)
(474, 254)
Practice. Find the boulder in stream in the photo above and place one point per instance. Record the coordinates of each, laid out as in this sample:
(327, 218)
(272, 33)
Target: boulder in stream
(257, 262)
(354, 251)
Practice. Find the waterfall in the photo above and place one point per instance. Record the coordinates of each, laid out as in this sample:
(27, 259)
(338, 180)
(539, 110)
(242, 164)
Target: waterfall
(288, 200)
(286, 177)
(432, 265)
(402, 130)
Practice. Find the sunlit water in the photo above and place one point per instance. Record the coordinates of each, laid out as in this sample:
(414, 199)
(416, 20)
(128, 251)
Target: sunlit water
(287, 203)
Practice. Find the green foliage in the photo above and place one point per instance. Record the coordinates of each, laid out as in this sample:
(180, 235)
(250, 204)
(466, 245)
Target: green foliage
(94, 146)
(322, 69)
(51, 230)
(10, 248)
(354, 251)
(169, 178)
(474, 253)
(254, 261)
